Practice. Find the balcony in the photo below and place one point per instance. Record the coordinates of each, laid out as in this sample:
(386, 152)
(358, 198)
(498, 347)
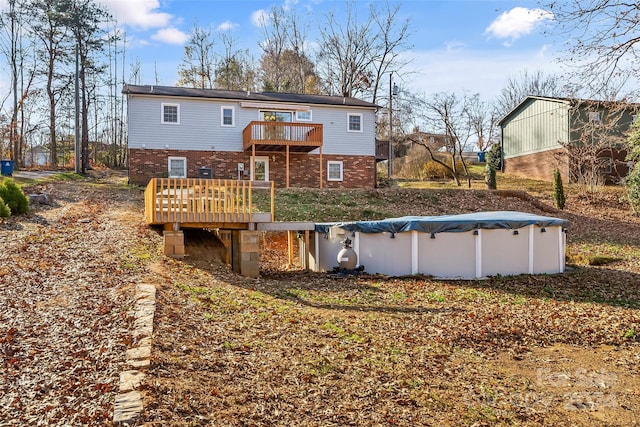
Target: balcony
(382, 150)
(292, 137)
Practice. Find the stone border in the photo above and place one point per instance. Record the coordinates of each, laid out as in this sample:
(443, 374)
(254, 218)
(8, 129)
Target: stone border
(128, 404)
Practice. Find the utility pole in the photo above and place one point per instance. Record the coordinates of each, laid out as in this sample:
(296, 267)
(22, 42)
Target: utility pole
(393, 91)
(390, 171)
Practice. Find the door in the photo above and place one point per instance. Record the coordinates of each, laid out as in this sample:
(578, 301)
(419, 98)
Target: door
(276, 132)
(260, 169)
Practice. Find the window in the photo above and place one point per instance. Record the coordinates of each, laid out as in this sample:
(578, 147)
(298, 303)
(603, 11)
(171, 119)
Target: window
(334, 171)
(228, 118)
(170, 114)
(354, 122)
(303, 116)
(177, 167)
(594, 117)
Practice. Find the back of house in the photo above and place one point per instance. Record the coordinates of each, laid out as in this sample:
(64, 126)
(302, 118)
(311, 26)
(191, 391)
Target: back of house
(294, 140)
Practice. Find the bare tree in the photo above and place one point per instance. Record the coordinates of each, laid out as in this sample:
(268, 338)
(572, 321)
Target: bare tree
(284, 64)
(482, 121)
(197, 67)
(602, 36)
(526, 84)
(235, 70)
(346, 53)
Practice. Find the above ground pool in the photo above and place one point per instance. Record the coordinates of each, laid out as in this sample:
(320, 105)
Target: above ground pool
(466, 246)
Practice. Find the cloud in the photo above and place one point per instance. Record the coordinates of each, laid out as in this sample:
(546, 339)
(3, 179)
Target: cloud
(170, 35)
(517, 22)
(259, 17)
(227, 25)
(138, 13)
(288, 4)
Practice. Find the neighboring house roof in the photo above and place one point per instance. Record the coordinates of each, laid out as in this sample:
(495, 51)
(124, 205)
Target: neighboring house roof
(296, 98)
(567, 101)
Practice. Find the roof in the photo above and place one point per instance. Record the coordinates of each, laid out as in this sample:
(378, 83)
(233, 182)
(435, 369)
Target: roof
(296, 98)
(448, 223)
(566, 101)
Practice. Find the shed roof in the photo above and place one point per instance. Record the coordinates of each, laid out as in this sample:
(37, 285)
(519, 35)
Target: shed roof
(295, 98)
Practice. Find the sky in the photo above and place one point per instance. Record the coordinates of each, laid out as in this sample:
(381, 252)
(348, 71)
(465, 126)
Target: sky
(471, 46)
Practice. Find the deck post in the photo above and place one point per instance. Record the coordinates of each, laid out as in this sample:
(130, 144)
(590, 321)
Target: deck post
(321, 166)
(306, 249)
(287, 165)
(246, 252)
(173, 243)
(290, 237)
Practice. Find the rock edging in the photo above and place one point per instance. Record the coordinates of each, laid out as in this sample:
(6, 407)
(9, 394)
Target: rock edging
(128, 404)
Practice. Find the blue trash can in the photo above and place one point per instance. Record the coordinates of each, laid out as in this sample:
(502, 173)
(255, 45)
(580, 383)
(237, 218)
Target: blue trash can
(7, 167)
(481, 156)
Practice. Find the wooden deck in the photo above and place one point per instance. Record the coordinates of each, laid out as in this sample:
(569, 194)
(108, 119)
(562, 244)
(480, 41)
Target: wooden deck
(207, 203)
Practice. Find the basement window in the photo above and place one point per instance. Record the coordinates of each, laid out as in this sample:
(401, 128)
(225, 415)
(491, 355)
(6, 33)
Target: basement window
(334, 170)
(177, 167)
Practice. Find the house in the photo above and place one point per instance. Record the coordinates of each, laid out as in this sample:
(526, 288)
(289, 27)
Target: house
(294, 140)
(584, 139)
(36, 156)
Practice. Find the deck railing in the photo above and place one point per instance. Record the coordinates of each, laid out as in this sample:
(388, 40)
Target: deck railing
(282, 133)
(204, 201)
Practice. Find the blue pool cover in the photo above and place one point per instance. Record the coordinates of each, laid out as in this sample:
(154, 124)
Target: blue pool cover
(448, 223)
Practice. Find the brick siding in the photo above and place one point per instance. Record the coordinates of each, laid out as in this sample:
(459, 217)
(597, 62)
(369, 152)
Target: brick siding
(539, 165)
(358, 171)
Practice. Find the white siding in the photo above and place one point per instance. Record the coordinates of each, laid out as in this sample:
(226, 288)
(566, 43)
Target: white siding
(200, 126)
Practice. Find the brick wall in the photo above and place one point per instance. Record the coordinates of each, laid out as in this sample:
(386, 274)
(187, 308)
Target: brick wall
(359, 171)
(539, 165)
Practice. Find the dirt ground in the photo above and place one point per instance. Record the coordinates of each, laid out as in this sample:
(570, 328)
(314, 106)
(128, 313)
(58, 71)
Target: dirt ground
(307, 349)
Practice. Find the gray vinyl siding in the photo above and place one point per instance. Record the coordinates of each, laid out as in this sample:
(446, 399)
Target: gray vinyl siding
(200, 126)
(540, 125)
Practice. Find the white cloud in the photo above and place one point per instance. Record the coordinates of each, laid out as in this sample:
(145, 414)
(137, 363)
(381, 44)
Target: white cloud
(138, 13)
(288, 4)
(227, 25)
(170, 35)
(517, 22)
(259, 17)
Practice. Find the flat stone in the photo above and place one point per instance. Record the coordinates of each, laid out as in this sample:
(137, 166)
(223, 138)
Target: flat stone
(144, 363)
(130, 380)
(127, 408)
(139, 353)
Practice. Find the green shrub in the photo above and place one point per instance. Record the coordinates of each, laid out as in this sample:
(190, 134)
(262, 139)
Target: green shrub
(632, 183)
(5, 212)
(494, 156)
(490, 176)
(558, 190)
(14, 197)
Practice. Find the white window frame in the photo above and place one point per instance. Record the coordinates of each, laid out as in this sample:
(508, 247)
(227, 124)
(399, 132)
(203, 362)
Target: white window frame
(168, 104)
(335, 162)
(300, 119)
(184, 169)
(349, 115)
(233, 116)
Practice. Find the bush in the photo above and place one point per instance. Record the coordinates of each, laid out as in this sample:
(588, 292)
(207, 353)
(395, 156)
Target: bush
(558, 190)
(490, 176)
(632, 183)
(434, 170)
(494, 156)
(5, 212)
(13, 197)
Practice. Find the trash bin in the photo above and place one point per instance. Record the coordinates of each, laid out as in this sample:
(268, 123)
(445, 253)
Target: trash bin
(481, 155)
(7, 167)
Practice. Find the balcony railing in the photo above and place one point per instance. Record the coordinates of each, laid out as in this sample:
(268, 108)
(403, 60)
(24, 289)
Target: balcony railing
(382, 150)
(207, 201)
(270, 135)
